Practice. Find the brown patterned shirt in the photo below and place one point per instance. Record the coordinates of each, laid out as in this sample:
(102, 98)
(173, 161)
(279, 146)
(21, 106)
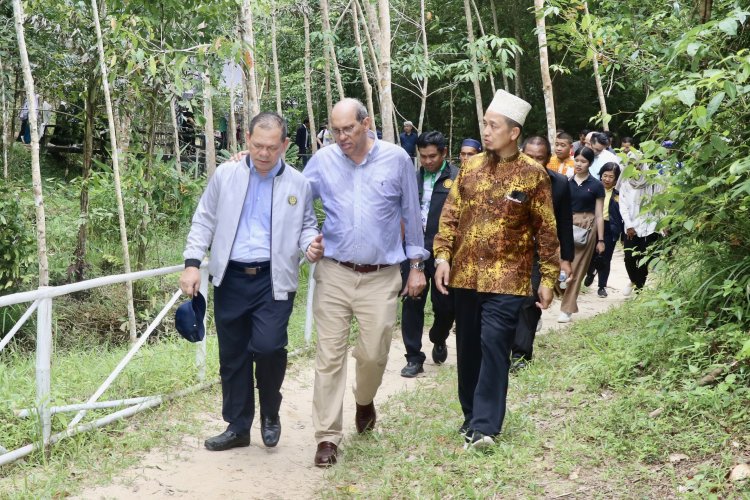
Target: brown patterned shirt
(489, 222)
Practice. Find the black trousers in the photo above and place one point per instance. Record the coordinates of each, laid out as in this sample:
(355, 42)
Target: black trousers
(601, 263)
(635, 251)
(485, 328)
(252, 328)
(412, 314)
(528, 317)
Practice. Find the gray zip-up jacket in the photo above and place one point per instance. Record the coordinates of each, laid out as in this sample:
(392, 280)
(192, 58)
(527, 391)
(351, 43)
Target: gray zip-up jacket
(215, 222)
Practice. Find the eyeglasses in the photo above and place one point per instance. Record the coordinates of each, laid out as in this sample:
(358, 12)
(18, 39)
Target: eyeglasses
(347, 131)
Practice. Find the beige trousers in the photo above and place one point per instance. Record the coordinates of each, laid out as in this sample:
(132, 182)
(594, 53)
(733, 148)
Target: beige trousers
(580, 263)
(341, 294)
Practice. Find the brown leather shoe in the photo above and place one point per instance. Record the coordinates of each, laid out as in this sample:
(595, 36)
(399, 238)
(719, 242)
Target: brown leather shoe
(365, 417)
(326, 454)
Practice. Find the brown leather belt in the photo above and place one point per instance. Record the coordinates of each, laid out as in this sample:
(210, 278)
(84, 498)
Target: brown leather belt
(362, 268)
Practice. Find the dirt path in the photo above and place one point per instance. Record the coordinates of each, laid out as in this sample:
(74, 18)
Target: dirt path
(287, 472)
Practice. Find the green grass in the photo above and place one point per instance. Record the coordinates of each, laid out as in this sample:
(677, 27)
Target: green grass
(579, 423)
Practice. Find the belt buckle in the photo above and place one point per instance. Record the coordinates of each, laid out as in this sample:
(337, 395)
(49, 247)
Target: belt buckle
(252, 271)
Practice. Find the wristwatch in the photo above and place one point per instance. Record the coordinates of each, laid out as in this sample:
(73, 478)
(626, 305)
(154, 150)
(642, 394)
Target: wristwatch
(439, 261)
(419, 266)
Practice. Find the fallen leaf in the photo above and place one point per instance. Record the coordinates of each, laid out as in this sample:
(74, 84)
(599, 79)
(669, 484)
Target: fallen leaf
(740, 473)
(677, 457)
(573, 475)
(411, 458)
(656, 412)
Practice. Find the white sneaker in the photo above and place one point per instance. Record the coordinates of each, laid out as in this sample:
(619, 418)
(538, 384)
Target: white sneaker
(478, 442)
(539, 325)
(564, 317)
(627, 290)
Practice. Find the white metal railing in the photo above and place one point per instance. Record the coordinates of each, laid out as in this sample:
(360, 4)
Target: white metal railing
(41, 302)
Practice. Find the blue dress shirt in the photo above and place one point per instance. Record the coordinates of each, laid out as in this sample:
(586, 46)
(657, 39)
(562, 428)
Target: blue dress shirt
(253, 240)
(365, 204)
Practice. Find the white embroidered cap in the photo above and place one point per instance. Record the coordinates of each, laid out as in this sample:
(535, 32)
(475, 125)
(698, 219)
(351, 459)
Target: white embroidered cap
(511, 106)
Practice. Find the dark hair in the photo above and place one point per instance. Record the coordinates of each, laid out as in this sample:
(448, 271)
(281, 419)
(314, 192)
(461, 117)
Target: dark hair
(431, 138)
(586, 152)
(564, 136)
(306, 120)
(600, 138)
(535, 140)
(610, 166)
(268, 120)
(627, 139)
(584, 132)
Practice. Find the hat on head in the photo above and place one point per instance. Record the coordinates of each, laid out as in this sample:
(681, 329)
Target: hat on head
(510, 106)
(472, 143)
(189, 318)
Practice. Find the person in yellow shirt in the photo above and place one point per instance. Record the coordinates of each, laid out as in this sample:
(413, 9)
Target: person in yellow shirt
(562, 162)
(498, 207)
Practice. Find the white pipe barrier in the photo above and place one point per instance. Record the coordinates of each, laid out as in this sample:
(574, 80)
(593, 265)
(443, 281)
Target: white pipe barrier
(27, 412)
(127, 412)
(123, 363)
(21, 321)
(308, 315)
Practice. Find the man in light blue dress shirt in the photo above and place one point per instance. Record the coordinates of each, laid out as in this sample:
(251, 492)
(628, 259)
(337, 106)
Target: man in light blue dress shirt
(368, 188)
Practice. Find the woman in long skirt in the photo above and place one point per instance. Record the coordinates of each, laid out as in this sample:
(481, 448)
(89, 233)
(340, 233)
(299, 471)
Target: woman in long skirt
(587, 203)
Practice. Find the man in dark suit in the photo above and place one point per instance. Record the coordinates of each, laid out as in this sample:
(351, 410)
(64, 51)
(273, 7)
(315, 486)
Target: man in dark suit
(523, 346)
(302, 140)
(434, 180)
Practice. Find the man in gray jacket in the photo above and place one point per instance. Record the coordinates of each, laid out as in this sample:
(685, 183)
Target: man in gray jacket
(256, 215)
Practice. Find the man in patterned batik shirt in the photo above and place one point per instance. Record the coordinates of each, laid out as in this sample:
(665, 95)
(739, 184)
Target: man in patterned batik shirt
(500, 203)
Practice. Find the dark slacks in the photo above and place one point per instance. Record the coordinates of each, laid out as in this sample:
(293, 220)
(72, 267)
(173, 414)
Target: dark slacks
(601, 263)
(485, 328)
(635, 252)
(528, 317)
(412, 314)
(252, 328)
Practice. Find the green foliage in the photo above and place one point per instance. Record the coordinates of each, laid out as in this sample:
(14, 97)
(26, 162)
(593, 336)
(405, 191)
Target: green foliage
(17, 240)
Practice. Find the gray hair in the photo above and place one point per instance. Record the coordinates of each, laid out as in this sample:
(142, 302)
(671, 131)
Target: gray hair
(268, 120)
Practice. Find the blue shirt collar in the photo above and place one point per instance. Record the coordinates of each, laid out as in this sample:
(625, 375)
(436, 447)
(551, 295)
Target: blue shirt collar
(273, 173)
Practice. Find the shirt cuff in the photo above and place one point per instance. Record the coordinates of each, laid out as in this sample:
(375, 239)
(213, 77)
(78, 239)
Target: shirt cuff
(549, 283)
(443, 255)
(414, 252)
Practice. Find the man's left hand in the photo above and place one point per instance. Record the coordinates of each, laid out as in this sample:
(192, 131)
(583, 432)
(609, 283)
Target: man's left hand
(239, 155)
(545, 297)
(415, 284)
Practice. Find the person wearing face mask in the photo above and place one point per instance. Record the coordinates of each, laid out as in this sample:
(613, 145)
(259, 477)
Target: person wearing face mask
(587, 202)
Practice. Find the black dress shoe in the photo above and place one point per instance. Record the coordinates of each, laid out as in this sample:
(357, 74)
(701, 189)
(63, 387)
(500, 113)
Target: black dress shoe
(325, 456)
(364, 418)
(270, 430)
(439, 353)
(227, 440)
(517, 364)
(602, 292)
(411, 369)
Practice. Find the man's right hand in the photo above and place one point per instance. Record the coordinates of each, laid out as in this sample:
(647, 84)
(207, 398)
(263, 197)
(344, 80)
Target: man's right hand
(631, 233)
(190, 281)
(442, 273)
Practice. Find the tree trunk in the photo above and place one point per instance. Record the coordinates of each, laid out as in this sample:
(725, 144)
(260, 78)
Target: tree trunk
(208, 128)
(549, 99)
(308, 84)
(362, 67)
(275, 56)
(4, 138)
(79, 266)
(496, 27)
(115, 169)
(474, 67)
(328, 43)
(380, 25)
(175, 134)
(704, 8)
(450, 124)
(36, 176)
(232, 123)
(248, 39)
(140, 237)
(490, 74)
(327, 83)
(426, 53)
(370, 45)
(597, 77)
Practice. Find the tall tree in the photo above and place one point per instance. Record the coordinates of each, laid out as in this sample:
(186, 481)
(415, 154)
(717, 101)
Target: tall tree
(361, 60)
(275, 57)
(379, 20)
(549, 99)
(474, 66)
(426, 53)
(305, 9)
(593, 50)
(330, 49)
(36, 176)
(115, 169)
(4, 137)
(208, 126)
(248, 39)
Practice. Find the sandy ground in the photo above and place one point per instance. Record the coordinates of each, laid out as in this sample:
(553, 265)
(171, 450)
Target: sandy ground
(189, 471)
